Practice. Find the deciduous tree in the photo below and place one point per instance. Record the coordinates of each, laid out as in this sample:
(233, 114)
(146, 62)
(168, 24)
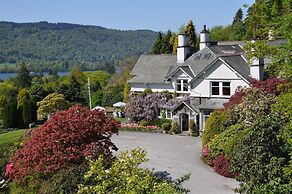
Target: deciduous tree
(68, 138)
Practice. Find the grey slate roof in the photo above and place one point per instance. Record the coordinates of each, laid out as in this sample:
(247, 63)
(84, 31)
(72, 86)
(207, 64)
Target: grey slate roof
(213, 104)
(238, 64)
(200, 60)
(152, 68)
(156, 68)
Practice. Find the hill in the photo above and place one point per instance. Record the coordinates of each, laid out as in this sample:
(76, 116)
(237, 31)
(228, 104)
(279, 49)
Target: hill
(44, 45)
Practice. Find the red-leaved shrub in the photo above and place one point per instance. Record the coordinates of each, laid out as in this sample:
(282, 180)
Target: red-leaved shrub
(222, 166)
(235, 98)
(69, 137)
(269, 85)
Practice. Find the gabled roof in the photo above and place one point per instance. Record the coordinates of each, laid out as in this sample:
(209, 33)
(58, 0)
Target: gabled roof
(213, 104)
(158, 68)
(187, 104)
(152, 68)
(239, 65)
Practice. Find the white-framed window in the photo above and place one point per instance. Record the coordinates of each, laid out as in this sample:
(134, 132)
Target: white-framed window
(220, 88)
(168, 114)
(182, 85)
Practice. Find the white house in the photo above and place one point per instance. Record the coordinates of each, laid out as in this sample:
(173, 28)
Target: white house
(209, 77)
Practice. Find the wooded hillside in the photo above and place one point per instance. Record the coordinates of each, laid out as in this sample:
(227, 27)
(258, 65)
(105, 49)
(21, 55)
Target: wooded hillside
(46, 45)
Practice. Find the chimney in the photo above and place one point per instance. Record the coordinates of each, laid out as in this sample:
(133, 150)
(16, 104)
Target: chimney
(183, 49)
(204, 38)
(256, 67)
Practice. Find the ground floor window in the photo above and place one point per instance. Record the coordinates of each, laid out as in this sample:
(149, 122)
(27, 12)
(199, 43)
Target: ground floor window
(168, 114)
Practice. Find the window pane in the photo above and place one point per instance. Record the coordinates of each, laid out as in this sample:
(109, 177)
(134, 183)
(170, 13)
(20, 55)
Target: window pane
(226, 91)
(215, 90)
(226, 88)
(215, 84)
(185, 86)
(178, 87)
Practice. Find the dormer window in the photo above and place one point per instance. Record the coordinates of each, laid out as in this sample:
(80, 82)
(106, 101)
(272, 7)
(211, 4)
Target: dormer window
(220, 89)
(182, 85)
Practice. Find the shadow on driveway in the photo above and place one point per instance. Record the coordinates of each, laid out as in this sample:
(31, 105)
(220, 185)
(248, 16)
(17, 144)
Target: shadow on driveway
(177, 155)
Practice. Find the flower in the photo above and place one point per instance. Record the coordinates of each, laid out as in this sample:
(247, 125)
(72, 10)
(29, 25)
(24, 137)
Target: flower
(8, 169)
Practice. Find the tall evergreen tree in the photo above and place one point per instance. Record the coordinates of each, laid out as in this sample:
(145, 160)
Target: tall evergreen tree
(23, 79)
(156, 49)
(191, 32)
(238, 16)
(166, 46)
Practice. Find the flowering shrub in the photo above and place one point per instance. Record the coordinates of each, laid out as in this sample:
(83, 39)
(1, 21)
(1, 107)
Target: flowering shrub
(137, 127)
(8, 169)
(205, 155)
(145, 106)
(68, 138)
(222, 166)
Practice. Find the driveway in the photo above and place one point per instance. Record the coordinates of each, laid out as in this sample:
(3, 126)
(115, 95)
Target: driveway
(178, 155)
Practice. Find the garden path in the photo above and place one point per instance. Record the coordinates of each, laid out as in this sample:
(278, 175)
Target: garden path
(178, 155)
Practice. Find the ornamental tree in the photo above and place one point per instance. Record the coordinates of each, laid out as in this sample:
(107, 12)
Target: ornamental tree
(145, 106)
(68, 138)
(50, 104)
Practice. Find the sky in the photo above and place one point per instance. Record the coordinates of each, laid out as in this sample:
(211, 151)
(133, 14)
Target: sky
(157, 15)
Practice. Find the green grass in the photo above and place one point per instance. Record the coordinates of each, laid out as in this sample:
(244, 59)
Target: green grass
(11, 137)
(120, 119)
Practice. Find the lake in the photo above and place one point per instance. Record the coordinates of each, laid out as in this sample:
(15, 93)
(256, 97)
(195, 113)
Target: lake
(4, 76)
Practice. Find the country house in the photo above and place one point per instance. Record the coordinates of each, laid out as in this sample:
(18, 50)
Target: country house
(209, 77)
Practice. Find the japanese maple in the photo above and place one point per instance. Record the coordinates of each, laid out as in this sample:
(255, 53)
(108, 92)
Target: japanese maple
(68, 138)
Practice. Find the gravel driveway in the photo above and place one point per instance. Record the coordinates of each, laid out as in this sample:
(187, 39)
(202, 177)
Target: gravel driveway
(177, 155)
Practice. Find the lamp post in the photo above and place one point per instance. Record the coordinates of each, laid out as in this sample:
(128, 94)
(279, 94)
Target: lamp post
(89, 93)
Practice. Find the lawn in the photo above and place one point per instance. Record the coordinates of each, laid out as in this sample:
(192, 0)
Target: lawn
(10, 137)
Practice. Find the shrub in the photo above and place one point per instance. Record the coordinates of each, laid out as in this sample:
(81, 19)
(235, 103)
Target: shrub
(225, 142)
(143, 123)
(205, 155)
(262, 155)
(65, 181)
(255, 103)
(269, 85)
(145, 106)
(194, 130)
(166, 127)
(174, 127)
(222, 166)
(124, 175)
(68, 138)
(215, 124)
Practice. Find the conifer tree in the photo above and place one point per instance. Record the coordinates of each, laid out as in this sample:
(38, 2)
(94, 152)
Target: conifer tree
(156, 49)
(190, 31)
(166, 46)
(238, 16)
(23, 79)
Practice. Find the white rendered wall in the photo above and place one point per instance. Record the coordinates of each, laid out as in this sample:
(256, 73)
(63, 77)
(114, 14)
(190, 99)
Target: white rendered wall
(137, 87)
(218, 72)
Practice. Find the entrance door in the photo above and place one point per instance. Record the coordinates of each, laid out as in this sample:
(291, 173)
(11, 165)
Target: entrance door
(184, 122)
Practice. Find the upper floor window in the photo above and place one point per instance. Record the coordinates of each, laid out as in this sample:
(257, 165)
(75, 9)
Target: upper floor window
(182, 85)
(220, 89)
